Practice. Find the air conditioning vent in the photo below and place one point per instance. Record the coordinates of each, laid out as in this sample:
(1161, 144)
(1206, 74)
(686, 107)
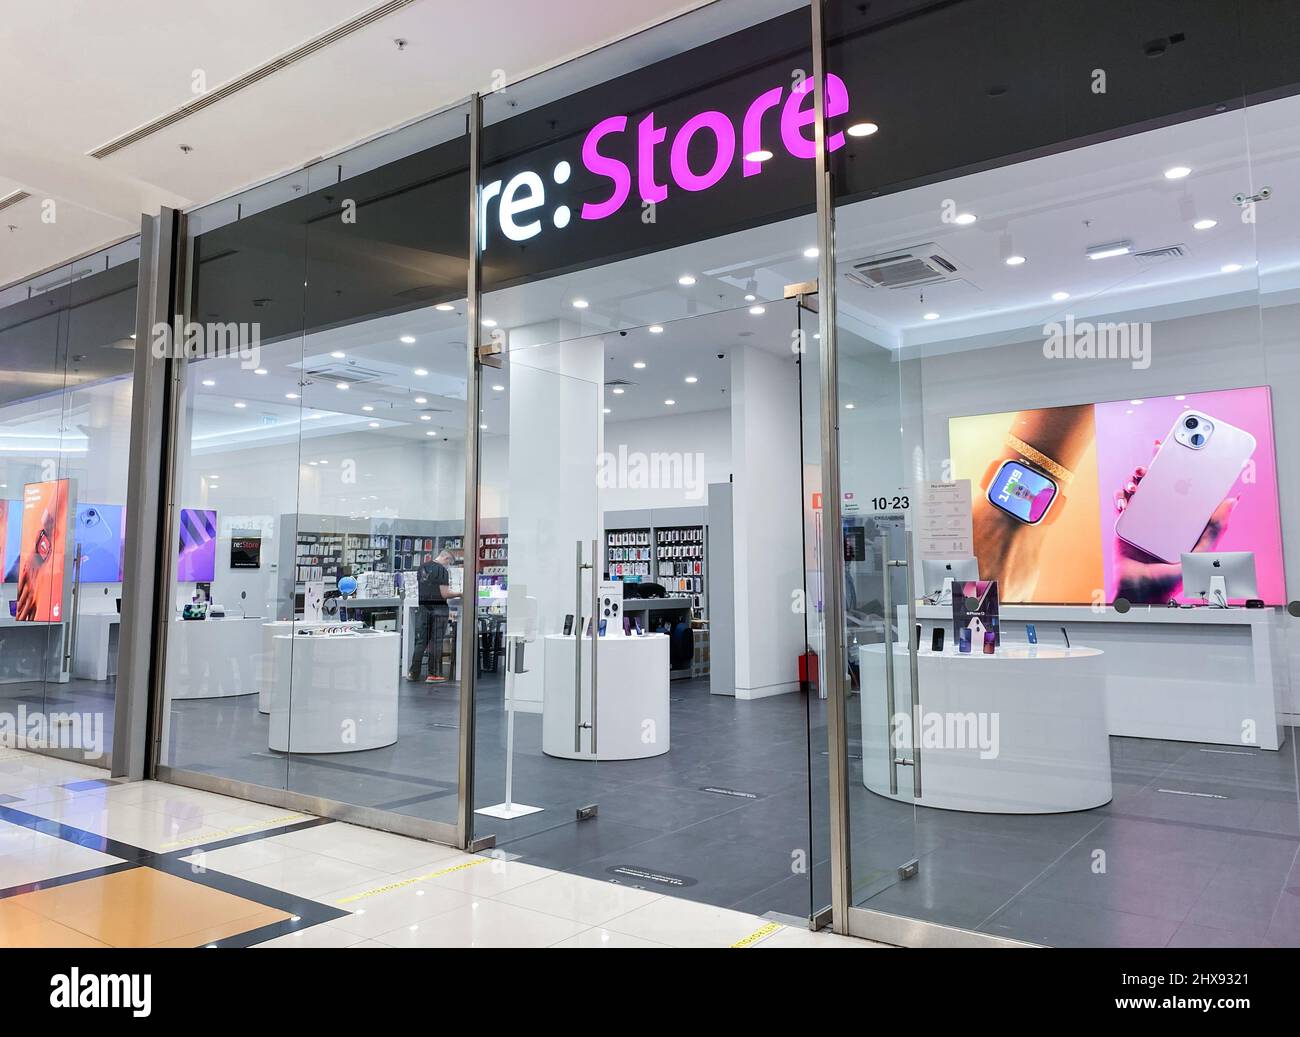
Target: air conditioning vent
(1157, 255)
(913, 267)
(621, 383)
(352, 374)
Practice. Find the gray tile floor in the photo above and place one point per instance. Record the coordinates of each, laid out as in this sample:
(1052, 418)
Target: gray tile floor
(1179, 870)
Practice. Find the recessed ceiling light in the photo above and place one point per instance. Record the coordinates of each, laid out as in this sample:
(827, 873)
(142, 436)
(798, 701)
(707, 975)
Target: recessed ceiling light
(1204, 224)
(686, 280)
(1115, 248)
(751, 298)
(426, 417)
(862, 129)
(340, 385)
(407, 340)
(498, 388)
(367, 407)
(315, 417)
(964, 219)
(1230, 268)
(338, 355)
(757, 311)
(760, 155)
(488, 322)
(930, 316)
(691, 379)
(260, 370)
(812, 252)
(618, 390)
(656, 329)
(670, 403)
(1137, 403)
(373, 424)
(639, 365)
(1014, 260)
(483, 427)
(1060, 296)
(1176, 172)
(209, 382)
(419, 372)
(434, 432)
(421, 400)
(580, 304)
(241, 404)
(850, 406)
(444, 307)
(291, 396)
(608, 411)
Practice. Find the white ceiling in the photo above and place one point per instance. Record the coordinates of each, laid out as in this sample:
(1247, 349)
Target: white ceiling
(86, 73)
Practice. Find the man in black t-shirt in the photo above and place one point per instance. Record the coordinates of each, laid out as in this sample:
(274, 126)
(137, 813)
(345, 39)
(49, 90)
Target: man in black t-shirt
(431, 619)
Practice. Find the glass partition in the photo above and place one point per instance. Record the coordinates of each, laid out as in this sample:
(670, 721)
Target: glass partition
(1065, 393)
(320, 488)
(68, 340)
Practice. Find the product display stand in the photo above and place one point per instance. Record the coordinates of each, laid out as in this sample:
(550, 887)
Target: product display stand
(509, 809)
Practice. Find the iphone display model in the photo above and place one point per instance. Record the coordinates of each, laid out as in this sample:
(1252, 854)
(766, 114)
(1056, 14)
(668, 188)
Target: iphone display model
(588, 633)
(568, 625)
(640, 631)
(963, 641)
(990, 642)
(1067, 638)
(1198, 463)
(603, 624)
(936, 640)
(1031, 633)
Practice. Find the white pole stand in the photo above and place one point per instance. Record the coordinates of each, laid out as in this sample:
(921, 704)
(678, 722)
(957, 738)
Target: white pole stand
(514, 664)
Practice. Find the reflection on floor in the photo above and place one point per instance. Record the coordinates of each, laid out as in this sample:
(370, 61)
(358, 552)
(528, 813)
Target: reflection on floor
(85, 861)
(1198, 848)
(723, 818)
(90, 734)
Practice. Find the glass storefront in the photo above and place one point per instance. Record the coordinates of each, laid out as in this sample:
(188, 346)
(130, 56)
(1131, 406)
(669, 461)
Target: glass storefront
(67, 338)
(1041, 427)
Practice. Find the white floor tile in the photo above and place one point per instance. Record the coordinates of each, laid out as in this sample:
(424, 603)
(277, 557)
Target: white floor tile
(791, 937)
(585, 900)
(684, 923)
(234, 860)
(313, 875)
(383, 912)
(485, 876)
(597, 938)
(27, 856)
(484, 923)
(381, 850)
(325, 935)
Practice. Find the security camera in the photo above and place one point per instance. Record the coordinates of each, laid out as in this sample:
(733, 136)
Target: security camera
(1264, 194)
(622, 334)
(1239, 198)
(722, 356)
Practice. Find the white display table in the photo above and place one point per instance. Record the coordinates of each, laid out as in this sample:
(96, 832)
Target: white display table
(1193, 675)
(213, 658)
(334, 693)
(632, 704)
(1039, 712)
(31, 651)
(266, 661)
(95, 656)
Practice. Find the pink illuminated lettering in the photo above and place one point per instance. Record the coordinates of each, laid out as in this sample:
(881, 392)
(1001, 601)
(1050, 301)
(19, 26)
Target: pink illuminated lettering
(795, 116)
(649, 136)
(602, 166)
(725, 141)
(751, 134)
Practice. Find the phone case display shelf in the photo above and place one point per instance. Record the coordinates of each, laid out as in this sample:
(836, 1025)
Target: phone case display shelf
(1022, 731)
(334, 693)
(632, 704)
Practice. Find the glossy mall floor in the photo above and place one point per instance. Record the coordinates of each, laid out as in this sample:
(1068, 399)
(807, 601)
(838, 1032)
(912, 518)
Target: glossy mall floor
(86, 861)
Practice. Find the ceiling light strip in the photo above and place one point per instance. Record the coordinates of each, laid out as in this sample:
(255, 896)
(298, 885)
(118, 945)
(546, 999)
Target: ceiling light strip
(292, 57)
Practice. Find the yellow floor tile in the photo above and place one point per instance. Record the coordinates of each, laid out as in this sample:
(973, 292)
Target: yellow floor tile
(22, 928)
(147, 908)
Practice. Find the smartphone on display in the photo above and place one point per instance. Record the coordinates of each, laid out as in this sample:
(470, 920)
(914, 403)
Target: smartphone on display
(963, 641)
(936, 640)
(1199, 461)
(1031, 633)
(1022, 492)
(990, 642)
(568, 625)
(603, 624)
(640, 631)
(1067, 638)
(588, 633)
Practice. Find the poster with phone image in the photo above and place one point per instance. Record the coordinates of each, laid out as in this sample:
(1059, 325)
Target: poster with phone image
(198, 546)
(11, 537)
(43, 561)
(1091, 502)
(99, 532)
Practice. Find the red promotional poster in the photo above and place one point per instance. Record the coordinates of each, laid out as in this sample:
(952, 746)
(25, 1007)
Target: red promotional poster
(43, 552)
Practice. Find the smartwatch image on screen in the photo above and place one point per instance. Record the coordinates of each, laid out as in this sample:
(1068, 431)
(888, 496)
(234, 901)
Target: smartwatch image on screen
(1023, 492)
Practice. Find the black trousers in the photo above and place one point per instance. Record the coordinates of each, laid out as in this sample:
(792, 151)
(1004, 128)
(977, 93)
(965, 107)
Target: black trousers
(430, 632)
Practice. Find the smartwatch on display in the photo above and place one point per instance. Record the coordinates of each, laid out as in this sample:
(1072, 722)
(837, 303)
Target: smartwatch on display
(43, 546)
(1027, 487)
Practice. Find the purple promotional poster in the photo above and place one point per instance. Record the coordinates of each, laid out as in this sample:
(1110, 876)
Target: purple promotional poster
(198, 550)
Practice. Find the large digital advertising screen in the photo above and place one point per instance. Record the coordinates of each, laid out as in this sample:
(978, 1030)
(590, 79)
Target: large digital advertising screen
(1086, 504)
(198, 546)
(42, 563)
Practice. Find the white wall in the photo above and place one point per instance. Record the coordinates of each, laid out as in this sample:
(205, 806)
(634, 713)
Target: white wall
(703, 433)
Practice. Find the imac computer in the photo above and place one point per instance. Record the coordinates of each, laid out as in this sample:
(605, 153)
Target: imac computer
(939, 574)
(1216, 577)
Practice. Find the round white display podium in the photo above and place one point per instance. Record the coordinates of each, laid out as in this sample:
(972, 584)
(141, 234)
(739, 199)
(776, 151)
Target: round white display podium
(213, 658)
(1022, 731)
(334, 693)
(632, 708)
